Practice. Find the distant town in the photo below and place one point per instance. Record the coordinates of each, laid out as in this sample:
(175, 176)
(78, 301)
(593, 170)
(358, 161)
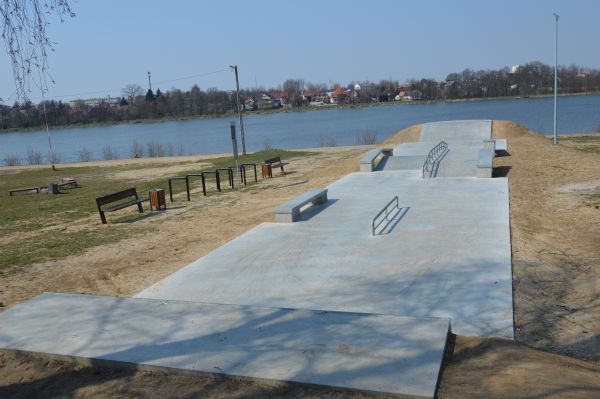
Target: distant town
(138, 103)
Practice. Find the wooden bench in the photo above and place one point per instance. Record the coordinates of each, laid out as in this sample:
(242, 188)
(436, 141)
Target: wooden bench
(67, 182)
(19, 190)
(290, 211)
(107, 199)
(271, 163)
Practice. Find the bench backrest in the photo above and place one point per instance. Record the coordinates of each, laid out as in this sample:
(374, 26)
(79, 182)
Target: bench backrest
(273, 160)
(130, 192)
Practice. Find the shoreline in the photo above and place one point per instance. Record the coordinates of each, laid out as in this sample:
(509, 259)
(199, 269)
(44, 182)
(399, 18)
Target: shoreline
(285, 110)
(157, 161)
(200, 157)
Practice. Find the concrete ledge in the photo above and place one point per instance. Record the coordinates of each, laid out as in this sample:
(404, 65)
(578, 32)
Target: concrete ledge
(290, 211)
(367, 163)
(485, 162)
(355, 351)
(501, 145)
(487, 144)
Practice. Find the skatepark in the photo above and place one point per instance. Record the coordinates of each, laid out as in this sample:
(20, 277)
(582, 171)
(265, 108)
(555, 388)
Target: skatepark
(326, 299)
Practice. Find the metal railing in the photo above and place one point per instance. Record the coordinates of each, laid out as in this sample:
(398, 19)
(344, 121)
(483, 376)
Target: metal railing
(387, 210)
(433, 156)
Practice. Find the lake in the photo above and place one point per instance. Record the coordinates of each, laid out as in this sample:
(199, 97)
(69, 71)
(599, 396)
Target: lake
(576, 114)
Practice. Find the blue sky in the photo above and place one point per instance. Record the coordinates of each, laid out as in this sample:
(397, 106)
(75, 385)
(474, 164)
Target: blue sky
(114, 43)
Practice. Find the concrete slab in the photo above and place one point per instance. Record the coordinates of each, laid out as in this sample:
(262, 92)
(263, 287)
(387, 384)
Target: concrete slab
(402, 163)
(374, 353)
(457, 130)
(449, 256)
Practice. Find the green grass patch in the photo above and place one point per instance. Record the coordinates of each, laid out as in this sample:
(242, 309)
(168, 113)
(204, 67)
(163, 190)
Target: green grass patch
(28, 213)
(585, 143)
(592, 200)
(54, 245)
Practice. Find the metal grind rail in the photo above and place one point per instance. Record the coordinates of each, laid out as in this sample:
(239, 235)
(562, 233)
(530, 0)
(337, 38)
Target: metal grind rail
(387, 210)
(433, 156)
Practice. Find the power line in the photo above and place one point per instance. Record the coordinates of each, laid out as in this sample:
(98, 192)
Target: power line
(103, 91)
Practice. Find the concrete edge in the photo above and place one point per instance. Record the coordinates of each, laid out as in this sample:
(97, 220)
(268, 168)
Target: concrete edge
(117, 365)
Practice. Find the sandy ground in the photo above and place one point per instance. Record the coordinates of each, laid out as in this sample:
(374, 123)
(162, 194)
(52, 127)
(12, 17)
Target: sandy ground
(556, 267)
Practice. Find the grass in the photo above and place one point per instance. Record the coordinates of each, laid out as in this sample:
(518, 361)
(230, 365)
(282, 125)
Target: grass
(584, 143)
(31, 224)
(592, 200)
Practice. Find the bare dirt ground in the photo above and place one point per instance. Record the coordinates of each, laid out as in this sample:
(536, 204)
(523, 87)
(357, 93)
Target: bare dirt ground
(556, 268)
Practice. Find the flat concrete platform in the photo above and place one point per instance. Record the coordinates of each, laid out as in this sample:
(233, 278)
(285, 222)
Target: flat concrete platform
(460, 160)
(457, 130)
(373, 353)
(447, 254)
(402, 163)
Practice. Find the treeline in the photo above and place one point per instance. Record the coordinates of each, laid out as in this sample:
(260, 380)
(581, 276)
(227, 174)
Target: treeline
(534, 78)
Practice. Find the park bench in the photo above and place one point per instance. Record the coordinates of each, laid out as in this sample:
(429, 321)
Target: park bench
(19, 190)
(290, 211)
(110, 198)
(67, 182)
(275, 162)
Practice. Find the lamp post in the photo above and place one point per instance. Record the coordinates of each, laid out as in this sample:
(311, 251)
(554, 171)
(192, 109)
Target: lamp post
(237, 84)
(554, 137)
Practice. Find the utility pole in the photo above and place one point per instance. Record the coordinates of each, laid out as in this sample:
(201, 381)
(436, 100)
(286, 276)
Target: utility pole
(237, 84)
(555, 135)
(149, 82)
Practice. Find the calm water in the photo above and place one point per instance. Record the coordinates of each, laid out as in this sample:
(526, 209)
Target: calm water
(578, 114)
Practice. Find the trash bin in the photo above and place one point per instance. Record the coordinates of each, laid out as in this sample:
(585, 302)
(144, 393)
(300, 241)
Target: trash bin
(53, 188)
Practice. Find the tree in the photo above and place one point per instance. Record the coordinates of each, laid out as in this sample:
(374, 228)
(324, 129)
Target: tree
(132, 91)
(294, 89)
(150, 95)
(24, 24)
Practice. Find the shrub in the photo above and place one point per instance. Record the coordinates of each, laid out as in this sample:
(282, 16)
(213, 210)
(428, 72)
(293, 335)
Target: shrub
(137, 150)
(11, 160)
(34, 157)
(367, 138)
(327, 142)
(156, 150)
(109, 153)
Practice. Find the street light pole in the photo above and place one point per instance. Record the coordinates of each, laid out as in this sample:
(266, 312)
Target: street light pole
(555, 137)
(237, 84)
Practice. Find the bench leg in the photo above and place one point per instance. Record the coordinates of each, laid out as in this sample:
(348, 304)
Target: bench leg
(218, 182)
(187, 188)
(170, 191)
(102, 217)
(203, 185)
(140, 208)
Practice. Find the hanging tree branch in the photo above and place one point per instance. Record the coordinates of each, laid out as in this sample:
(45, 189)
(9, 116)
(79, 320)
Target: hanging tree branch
(24, 24)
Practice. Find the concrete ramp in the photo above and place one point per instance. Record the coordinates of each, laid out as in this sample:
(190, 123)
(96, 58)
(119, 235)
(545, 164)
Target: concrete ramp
(457, 130)
(366, 352)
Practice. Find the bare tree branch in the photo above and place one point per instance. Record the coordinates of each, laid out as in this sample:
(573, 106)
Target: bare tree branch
(24, 24)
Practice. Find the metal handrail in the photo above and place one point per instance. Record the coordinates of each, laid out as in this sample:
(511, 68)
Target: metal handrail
(387, 211)
(433, 156)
